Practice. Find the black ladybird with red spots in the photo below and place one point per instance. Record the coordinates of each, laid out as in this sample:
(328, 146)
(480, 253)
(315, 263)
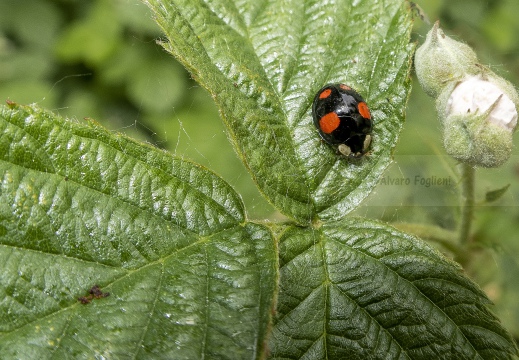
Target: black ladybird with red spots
(342, 118)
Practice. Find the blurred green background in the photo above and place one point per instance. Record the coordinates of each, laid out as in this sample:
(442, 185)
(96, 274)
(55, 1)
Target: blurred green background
(100, 59)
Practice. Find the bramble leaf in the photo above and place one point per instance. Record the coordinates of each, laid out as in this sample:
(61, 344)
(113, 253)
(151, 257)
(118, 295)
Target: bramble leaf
(80, 206)
(362, 290)
(263, 62)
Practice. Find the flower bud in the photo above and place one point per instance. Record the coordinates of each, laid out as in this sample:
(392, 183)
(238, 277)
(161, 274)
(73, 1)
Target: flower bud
(441, 60)
(478, 121)
(477, 108)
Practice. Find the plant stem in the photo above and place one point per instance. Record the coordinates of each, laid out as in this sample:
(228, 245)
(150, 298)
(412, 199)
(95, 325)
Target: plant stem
(467, 203)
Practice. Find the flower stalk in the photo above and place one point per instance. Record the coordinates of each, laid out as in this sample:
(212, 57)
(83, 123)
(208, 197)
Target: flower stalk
(477, 111)
(467, 202)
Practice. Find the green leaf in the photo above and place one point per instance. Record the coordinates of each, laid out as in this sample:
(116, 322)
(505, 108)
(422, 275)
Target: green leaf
(263, 62)
(362, 290)
(81, 206)
(495, 195)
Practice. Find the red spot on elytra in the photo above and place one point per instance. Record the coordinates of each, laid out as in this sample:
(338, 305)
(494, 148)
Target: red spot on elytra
(325, 93)
(329, 122)
(364, 110)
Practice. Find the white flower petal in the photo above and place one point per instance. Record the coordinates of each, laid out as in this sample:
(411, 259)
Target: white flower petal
(475, 95)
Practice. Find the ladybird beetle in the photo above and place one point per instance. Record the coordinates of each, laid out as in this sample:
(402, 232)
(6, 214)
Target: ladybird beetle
(342, 118)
